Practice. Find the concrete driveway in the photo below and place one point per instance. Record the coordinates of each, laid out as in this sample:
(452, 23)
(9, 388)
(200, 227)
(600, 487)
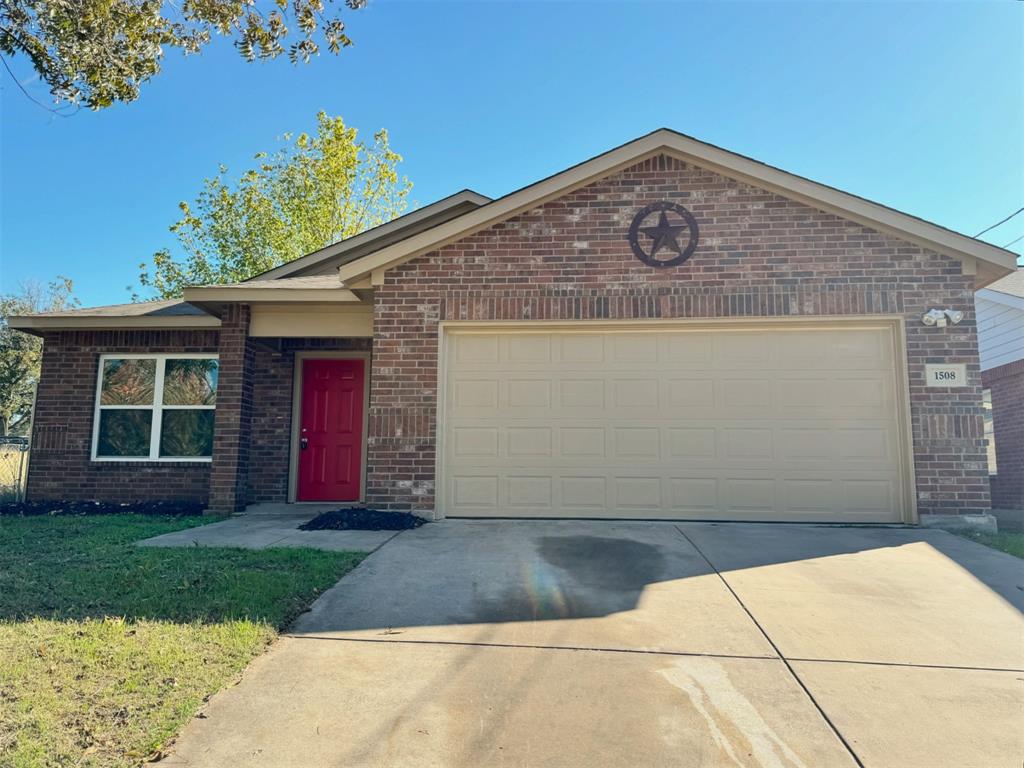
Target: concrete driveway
(514, 643)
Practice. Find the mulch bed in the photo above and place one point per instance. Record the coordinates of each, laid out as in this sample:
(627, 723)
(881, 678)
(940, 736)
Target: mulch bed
(362, 519)
(81, 508)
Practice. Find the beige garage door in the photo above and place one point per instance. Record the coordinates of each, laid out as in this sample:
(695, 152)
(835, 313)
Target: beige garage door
(780, 422)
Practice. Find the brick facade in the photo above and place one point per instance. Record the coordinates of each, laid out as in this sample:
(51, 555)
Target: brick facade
(1007, 385)
(269, 456)
(59, 467)
(233, 422)
(259, 464)
(760, 255)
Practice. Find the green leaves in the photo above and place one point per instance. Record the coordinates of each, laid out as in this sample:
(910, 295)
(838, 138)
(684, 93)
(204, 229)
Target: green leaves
(314, 191)
(20, 353)
(98, 52)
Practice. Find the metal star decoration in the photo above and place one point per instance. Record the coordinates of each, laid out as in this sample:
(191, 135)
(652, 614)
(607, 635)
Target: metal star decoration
(665, 236)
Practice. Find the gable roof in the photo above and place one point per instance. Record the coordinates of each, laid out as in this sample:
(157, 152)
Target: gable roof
(312, 277)
(987, 262)
(332, 256)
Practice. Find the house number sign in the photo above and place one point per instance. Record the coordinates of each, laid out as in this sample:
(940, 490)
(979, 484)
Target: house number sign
(663, 234)
(954, 375)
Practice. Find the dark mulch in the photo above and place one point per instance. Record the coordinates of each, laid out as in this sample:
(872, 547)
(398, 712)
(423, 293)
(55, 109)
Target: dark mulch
(361, 519)
(36, 508)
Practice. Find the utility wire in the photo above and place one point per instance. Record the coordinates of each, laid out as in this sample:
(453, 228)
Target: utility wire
(1013, 241)
(1019, 210)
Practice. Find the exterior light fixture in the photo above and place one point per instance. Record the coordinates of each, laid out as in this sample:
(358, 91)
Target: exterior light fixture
(941, 317)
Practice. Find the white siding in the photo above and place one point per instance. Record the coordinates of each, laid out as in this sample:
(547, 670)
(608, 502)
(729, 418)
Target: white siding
(1000, 328)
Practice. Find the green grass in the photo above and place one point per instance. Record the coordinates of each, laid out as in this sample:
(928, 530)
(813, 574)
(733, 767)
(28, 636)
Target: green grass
(1011, 543)
(107, 649)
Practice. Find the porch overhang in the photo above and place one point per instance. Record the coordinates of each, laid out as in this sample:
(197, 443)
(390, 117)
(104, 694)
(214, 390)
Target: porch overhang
(322, 290)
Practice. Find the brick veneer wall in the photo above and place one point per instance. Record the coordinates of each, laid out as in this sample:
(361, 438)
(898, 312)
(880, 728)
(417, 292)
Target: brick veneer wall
(255, 419)
(274, 371)
(759, 255)
(60, 468)
(233, 422)
(1007, 385)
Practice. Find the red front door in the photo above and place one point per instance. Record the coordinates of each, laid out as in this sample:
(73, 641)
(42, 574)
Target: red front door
(331, 430)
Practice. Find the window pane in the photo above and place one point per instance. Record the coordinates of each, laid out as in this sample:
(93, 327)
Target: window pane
(187, 433)
(128, 382)
(190, 382)
(124, 432)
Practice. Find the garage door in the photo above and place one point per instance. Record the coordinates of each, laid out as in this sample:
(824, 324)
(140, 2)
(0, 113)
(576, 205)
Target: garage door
(777, 422)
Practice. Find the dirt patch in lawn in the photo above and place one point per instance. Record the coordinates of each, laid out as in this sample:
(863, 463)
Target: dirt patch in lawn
(362, 519)
(80, 508)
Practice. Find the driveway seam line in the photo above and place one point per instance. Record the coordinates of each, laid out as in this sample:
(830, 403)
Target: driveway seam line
(771, 642)
(531, 647)
(691, 654)
(906, 665)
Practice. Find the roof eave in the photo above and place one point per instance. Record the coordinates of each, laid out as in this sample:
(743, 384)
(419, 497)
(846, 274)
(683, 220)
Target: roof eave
(465, 198)
(1003, 299)
(38, 325)
(212, 298)
(987, 262)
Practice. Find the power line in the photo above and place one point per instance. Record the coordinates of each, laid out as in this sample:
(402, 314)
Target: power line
(1013, 241)
(1019, 210)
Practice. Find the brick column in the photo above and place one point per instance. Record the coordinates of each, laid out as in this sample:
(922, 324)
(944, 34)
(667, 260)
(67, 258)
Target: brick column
(1007, 385)
(233, 420)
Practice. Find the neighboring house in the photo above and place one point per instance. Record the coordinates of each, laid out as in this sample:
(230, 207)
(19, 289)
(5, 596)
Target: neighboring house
(1000, 311)
(667, 330)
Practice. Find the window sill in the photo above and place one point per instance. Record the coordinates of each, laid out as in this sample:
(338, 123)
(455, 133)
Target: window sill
(152, 462)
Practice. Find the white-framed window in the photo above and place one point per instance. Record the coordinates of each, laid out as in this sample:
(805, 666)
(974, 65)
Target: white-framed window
(155, 408)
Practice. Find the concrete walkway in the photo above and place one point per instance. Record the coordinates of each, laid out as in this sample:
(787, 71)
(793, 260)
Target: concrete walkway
(272, 525)
(471, 643)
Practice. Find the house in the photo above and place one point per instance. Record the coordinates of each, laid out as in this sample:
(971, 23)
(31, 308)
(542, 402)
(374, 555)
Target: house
(1000, 312)
(666, 330)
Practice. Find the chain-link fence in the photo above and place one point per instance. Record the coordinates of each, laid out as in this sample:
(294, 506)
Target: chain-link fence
(13, 468)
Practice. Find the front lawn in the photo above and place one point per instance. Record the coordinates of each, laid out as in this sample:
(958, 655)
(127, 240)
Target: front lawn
(1011, 543)
(107, 649)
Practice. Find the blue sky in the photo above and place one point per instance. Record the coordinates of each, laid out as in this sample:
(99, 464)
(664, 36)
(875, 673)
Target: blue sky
(916, 105)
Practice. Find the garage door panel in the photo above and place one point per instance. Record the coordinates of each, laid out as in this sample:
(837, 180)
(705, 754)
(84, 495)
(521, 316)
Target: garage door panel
(476, 442)
(650, 443)
(673, 424)
(691, 393)
(631, 493)
(633, 348)
(534, 492)
(694, 443)
(584, 493)
(581, 348)
(586, 443)
(743, 350)
(689, 349)
(635, 393)
(474, 350)
(636, 443)
(575, 394)
(528, 442)
(746, 496)
(528, 348)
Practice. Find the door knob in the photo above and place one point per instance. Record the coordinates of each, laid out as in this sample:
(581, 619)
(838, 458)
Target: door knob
(304, 443)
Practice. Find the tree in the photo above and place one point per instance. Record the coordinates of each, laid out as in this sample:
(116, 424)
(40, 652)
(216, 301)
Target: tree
(313, 192)
(20, 353)
(98, 52)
